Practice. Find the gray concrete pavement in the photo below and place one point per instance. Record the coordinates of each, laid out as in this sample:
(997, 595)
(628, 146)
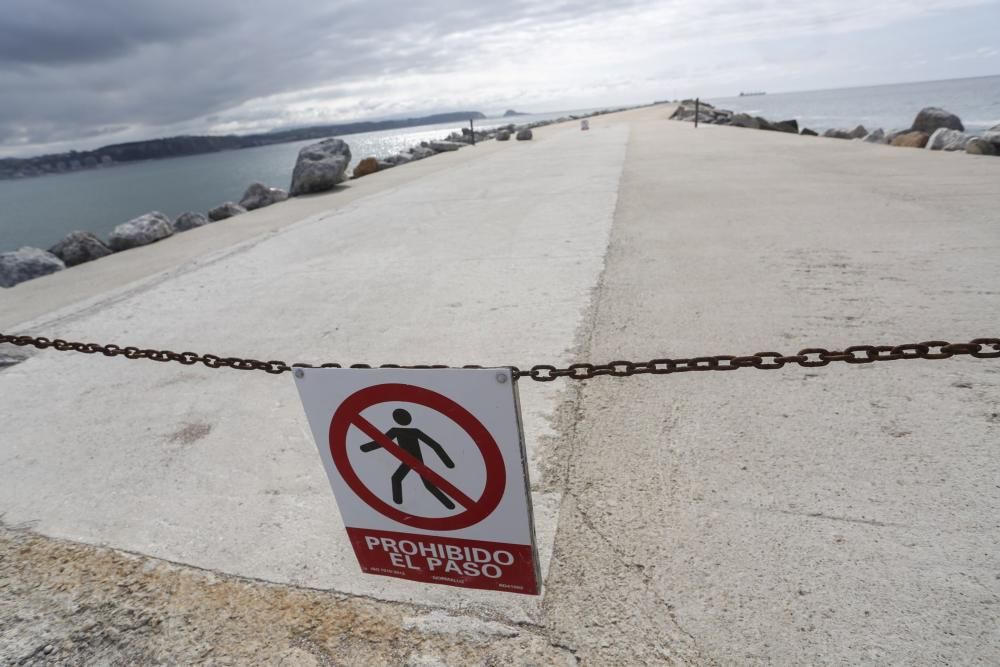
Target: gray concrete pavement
(490, 262)
(838, 515)
(841, 515)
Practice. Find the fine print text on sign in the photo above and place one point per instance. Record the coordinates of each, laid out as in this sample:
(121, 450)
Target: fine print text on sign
(428, 469)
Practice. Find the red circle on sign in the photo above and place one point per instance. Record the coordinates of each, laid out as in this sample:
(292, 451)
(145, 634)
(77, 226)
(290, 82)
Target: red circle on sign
(496, 474)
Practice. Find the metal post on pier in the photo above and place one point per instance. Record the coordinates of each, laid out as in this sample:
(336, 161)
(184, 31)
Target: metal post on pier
(697, 109)
(473, 132)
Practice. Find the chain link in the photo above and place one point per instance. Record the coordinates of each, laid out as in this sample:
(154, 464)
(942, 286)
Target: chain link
(811, 357)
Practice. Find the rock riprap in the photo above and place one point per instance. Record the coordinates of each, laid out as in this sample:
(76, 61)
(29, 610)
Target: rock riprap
(992, 135)
(790, 126)
(367, 166)
(944, 139)
(25, 264)
(259, 195)
(444, 146)
(79, 247)
(320, 167)
(876, 137)
(225, 210)
(145, 229)
(524, 135)
(979, 146)
(190, 220)
(911, 139)
(503, 135)
(930, 119)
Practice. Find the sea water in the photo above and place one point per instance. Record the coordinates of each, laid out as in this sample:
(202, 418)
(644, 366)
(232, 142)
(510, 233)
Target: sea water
(976, 101)
(40, 211)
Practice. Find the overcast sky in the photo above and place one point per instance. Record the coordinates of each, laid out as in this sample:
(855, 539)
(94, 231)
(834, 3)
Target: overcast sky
(83, 73)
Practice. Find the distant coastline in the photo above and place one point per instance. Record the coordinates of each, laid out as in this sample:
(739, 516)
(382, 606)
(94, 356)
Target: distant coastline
(184, 145)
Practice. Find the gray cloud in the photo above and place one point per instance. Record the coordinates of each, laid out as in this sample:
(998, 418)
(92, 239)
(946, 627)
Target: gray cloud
(110, 70)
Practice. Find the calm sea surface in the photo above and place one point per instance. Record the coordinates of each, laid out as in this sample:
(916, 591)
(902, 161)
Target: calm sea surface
(975, 101)
(40, 211)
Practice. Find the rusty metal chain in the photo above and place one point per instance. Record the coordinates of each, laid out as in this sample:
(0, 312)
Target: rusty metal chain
(812, 357)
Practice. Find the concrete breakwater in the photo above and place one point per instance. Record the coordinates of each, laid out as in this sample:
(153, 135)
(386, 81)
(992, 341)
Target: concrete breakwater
(83, 246)
(932, 128)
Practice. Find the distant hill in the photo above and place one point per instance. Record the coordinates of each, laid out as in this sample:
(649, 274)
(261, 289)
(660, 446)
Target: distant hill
(153, 149)
(511, 112)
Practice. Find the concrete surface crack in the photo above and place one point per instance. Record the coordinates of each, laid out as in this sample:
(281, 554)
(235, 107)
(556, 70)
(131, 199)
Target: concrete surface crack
(641, 571)
(831, 517)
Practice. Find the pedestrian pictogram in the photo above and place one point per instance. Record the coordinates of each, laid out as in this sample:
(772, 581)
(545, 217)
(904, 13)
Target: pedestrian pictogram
(409, 440)
(428, 469)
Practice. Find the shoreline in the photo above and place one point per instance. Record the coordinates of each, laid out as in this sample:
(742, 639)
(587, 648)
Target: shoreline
(424, 149)
(82, 283)
(933, 128)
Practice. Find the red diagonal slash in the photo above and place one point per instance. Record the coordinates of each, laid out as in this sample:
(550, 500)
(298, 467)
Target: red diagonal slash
(405, 457)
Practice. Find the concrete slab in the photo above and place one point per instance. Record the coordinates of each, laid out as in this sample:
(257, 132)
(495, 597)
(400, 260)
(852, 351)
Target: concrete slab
(839, 515)
(489, 262)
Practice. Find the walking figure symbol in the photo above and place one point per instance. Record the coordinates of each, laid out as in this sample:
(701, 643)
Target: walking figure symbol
(409, 440)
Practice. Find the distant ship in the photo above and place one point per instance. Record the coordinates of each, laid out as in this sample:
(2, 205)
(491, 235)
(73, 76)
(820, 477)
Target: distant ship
(752, 94)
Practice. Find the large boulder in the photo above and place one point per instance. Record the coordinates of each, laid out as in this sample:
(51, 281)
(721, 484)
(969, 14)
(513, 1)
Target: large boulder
(979, 146)
(79, 247)
(319, 167)
(367, 166)
(444, 146)
(396, 159)
(145, 229)
(745, 120)
(503, 135)
(25, 264)
(992, 135)
(837, 133)
(421, 152)
(524, 134)
(259, 195)
(911, 139)
(806, 132)
(791, 126)
(859, 132)
(944, 139)
(225, 210)
(189, 220)
(875, 137)
(932, 118)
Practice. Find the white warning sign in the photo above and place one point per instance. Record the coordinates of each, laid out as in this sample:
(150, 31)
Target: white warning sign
(429, 472)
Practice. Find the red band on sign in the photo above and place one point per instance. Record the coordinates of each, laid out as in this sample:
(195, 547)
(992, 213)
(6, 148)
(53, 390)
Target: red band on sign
(434, 559)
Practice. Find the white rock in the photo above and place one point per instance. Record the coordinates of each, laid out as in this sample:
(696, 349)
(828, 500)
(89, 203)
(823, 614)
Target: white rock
(319, 167)
(420, 152)
(259, 195)
(143, 230)
(25, 264)
(189, 220)
(445, 146)
(944, 139)
(225, 210)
